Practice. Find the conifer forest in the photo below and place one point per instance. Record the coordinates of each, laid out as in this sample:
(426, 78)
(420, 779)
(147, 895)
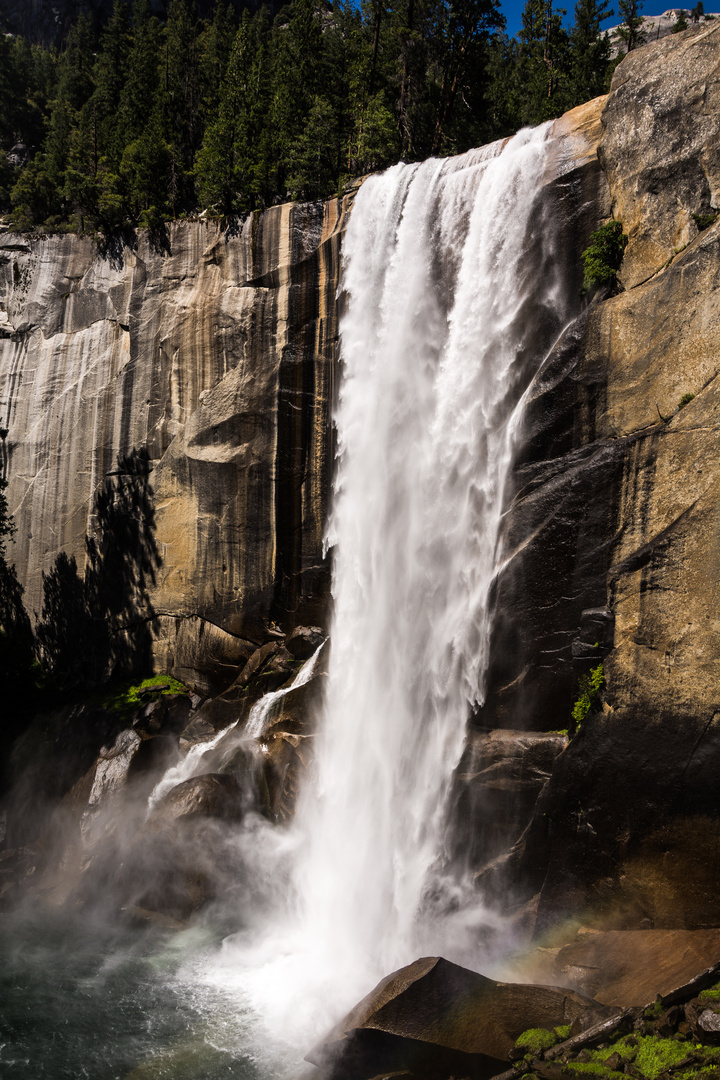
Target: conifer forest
(144, 120)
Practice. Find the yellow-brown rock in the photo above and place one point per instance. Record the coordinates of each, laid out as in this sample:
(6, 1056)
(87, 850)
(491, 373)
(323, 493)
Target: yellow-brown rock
(613, 536)
(660, 147)
(216, 355)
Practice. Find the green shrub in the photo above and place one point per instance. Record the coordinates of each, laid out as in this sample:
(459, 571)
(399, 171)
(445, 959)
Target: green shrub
(685, 400)
(589, 686)
(704, 221)
(602, 258)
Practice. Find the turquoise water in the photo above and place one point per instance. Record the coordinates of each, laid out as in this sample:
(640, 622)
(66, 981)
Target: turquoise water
(85, 997)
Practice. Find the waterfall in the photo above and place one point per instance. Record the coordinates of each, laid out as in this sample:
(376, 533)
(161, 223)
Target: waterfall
(212, 754)
(452, 295)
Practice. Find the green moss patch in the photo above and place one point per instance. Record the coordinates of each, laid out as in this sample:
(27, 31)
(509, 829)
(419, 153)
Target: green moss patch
(656, 1055)
(622, 1048)
(125, 698)
(594, 1068)
(535, 1040)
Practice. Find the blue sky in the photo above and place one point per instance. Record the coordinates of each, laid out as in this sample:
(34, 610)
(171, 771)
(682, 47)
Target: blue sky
(512, 10)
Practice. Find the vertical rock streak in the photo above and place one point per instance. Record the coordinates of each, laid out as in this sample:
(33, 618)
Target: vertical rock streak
(442, 302)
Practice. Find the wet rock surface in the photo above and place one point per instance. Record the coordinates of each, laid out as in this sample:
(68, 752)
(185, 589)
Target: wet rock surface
(497, 783)
(615, 512)
(211, 795)
(625, 968)
(434, 1018)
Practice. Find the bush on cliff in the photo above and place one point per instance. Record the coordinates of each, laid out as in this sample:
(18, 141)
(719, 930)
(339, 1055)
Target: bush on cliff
(589, 686)
(604, 255)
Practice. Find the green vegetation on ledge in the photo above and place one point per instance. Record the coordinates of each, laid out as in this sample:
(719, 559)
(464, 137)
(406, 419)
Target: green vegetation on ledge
(125, 698)
(589, 686)
(533, 1041)
(646, 1056)
(603, 256)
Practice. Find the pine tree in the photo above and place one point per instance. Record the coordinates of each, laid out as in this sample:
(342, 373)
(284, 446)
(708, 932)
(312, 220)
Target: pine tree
(589, 50)
(142, 80)
(224, 166)
(298, 80)
(374, 135)
(462, 32)
(631, 30)
(215, 47)
(110, 75)
(42, 190)
(542, 62)
(180, 98)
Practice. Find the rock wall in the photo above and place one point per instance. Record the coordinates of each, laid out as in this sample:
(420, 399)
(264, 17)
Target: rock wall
(615, 526)
(216, 356)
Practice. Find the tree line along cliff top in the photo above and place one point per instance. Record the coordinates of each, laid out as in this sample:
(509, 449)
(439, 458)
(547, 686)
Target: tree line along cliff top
(144, 120)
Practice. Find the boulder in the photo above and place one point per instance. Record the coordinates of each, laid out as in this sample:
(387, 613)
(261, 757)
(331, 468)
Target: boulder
(168, 714)
(211, 795)
(630, 968)
(177, 860)
(286, 746)
(496, 786)
(304, 641)
(436, 1017)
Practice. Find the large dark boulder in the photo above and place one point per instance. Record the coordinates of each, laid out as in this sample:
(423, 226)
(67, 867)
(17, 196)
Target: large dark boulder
(211, 795)
(436, 1018)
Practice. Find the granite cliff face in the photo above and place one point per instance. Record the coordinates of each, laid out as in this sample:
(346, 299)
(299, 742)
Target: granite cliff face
(218, 355)
(215, 356)
(616, 525)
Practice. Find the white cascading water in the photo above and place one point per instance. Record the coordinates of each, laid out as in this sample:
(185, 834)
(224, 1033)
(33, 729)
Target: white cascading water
(439, 340)
(211, 755)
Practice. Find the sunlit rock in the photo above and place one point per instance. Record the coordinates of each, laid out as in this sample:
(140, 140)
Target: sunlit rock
(434, 1017)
